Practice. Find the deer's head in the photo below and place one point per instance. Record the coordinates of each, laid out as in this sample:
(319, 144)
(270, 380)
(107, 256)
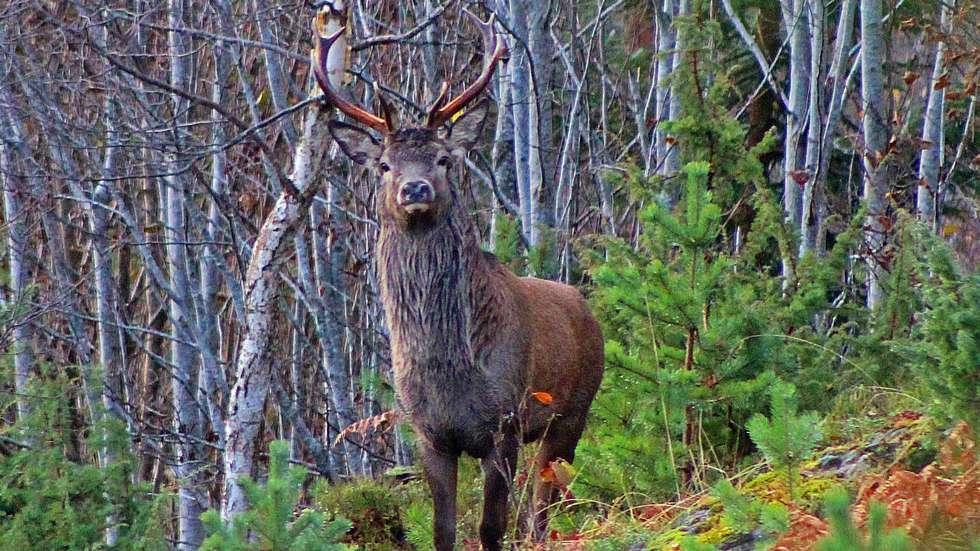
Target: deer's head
(414, 162)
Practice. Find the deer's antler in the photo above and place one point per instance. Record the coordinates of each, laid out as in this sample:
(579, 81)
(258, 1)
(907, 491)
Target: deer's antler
(494, 50)
(382, 124)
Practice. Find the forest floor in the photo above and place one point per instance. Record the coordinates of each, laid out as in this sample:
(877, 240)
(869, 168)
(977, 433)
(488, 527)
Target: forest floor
(927, 478)
(929, 488)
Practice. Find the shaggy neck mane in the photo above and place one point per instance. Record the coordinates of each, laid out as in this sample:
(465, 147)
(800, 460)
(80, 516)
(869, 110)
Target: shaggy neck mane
(431, 280)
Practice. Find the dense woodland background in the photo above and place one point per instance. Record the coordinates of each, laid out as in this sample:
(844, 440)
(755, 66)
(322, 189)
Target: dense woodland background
(771, 205)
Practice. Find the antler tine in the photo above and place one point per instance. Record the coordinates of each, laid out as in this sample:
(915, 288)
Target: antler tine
(350, 109)
(493, 51)
(387, 111)
(487, 33)
(440, 97)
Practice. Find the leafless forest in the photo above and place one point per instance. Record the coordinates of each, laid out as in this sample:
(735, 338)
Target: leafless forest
(186, 246)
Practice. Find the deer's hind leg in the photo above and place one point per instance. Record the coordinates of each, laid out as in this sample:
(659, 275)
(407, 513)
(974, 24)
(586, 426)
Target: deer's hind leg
(559, 442)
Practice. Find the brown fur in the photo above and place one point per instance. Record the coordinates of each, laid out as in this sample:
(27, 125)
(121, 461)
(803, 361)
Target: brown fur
(470, 340)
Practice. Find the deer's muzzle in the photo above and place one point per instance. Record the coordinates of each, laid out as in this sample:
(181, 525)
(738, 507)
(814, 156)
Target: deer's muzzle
(416, 196)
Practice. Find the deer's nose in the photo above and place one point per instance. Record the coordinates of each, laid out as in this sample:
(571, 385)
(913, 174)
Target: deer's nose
(417, 191)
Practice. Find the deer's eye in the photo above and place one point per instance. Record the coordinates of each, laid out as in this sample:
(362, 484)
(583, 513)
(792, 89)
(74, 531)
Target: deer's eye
(384, 167)
(444, 161)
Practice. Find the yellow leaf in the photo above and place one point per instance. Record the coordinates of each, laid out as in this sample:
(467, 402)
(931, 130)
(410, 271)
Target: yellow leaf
(456, 116)
(949, 230)
(564, 471)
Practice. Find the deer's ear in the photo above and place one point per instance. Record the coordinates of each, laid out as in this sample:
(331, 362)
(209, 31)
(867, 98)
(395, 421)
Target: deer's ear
(355, 142)
(468, 128)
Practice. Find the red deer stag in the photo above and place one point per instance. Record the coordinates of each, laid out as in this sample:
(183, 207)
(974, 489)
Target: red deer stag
(470, 341)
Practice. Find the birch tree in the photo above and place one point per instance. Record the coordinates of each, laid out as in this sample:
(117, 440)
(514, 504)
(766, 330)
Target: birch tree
(875, 126)
(795, 22)
(930, 160)
(16, 211)
(253, 374)
(192, 499)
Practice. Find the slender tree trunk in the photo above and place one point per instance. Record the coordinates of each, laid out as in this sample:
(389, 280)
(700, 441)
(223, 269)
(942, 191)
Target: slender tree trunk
(930, 160)
(520, 83)
(672, 161)
(810, 213)
(192, 498)
(214, 384)
(329, 254)
(110, 337)
(665, 46)
(796, 28)
(875, 142)
(835, 109)
(540, 141)
(278, 87)
(16, 212)
(502, 153)
(253, 373)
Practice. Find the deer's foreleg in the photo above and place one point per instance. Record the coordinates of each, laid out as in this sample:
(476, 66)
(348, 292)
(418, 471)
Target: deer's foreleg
(440, 472)
(498, 472)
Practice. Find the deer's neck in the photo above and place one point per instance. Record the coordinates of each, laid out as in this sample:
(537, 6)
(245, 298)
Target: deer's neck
(430, 281)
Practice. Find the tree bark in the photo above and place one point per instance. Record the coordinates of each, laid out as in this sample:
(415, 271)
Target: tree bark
(875, 142)
(192, 499)
(520, 85)
(811, 211)
(16, 212)
(930, 160)
(253, 373)
(796, 28)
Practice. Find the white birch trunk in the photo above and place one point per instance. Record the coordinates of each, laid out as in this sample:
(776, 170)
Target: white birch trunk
(810, 213)
(191, 495)
(15, 218)
(875, 141)
(540, 141)
(835, 109)
(796, 28)
(672, 160)
(253, 372)
(665, 44)
(520, 83)
(930, 160)
(109, 334)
